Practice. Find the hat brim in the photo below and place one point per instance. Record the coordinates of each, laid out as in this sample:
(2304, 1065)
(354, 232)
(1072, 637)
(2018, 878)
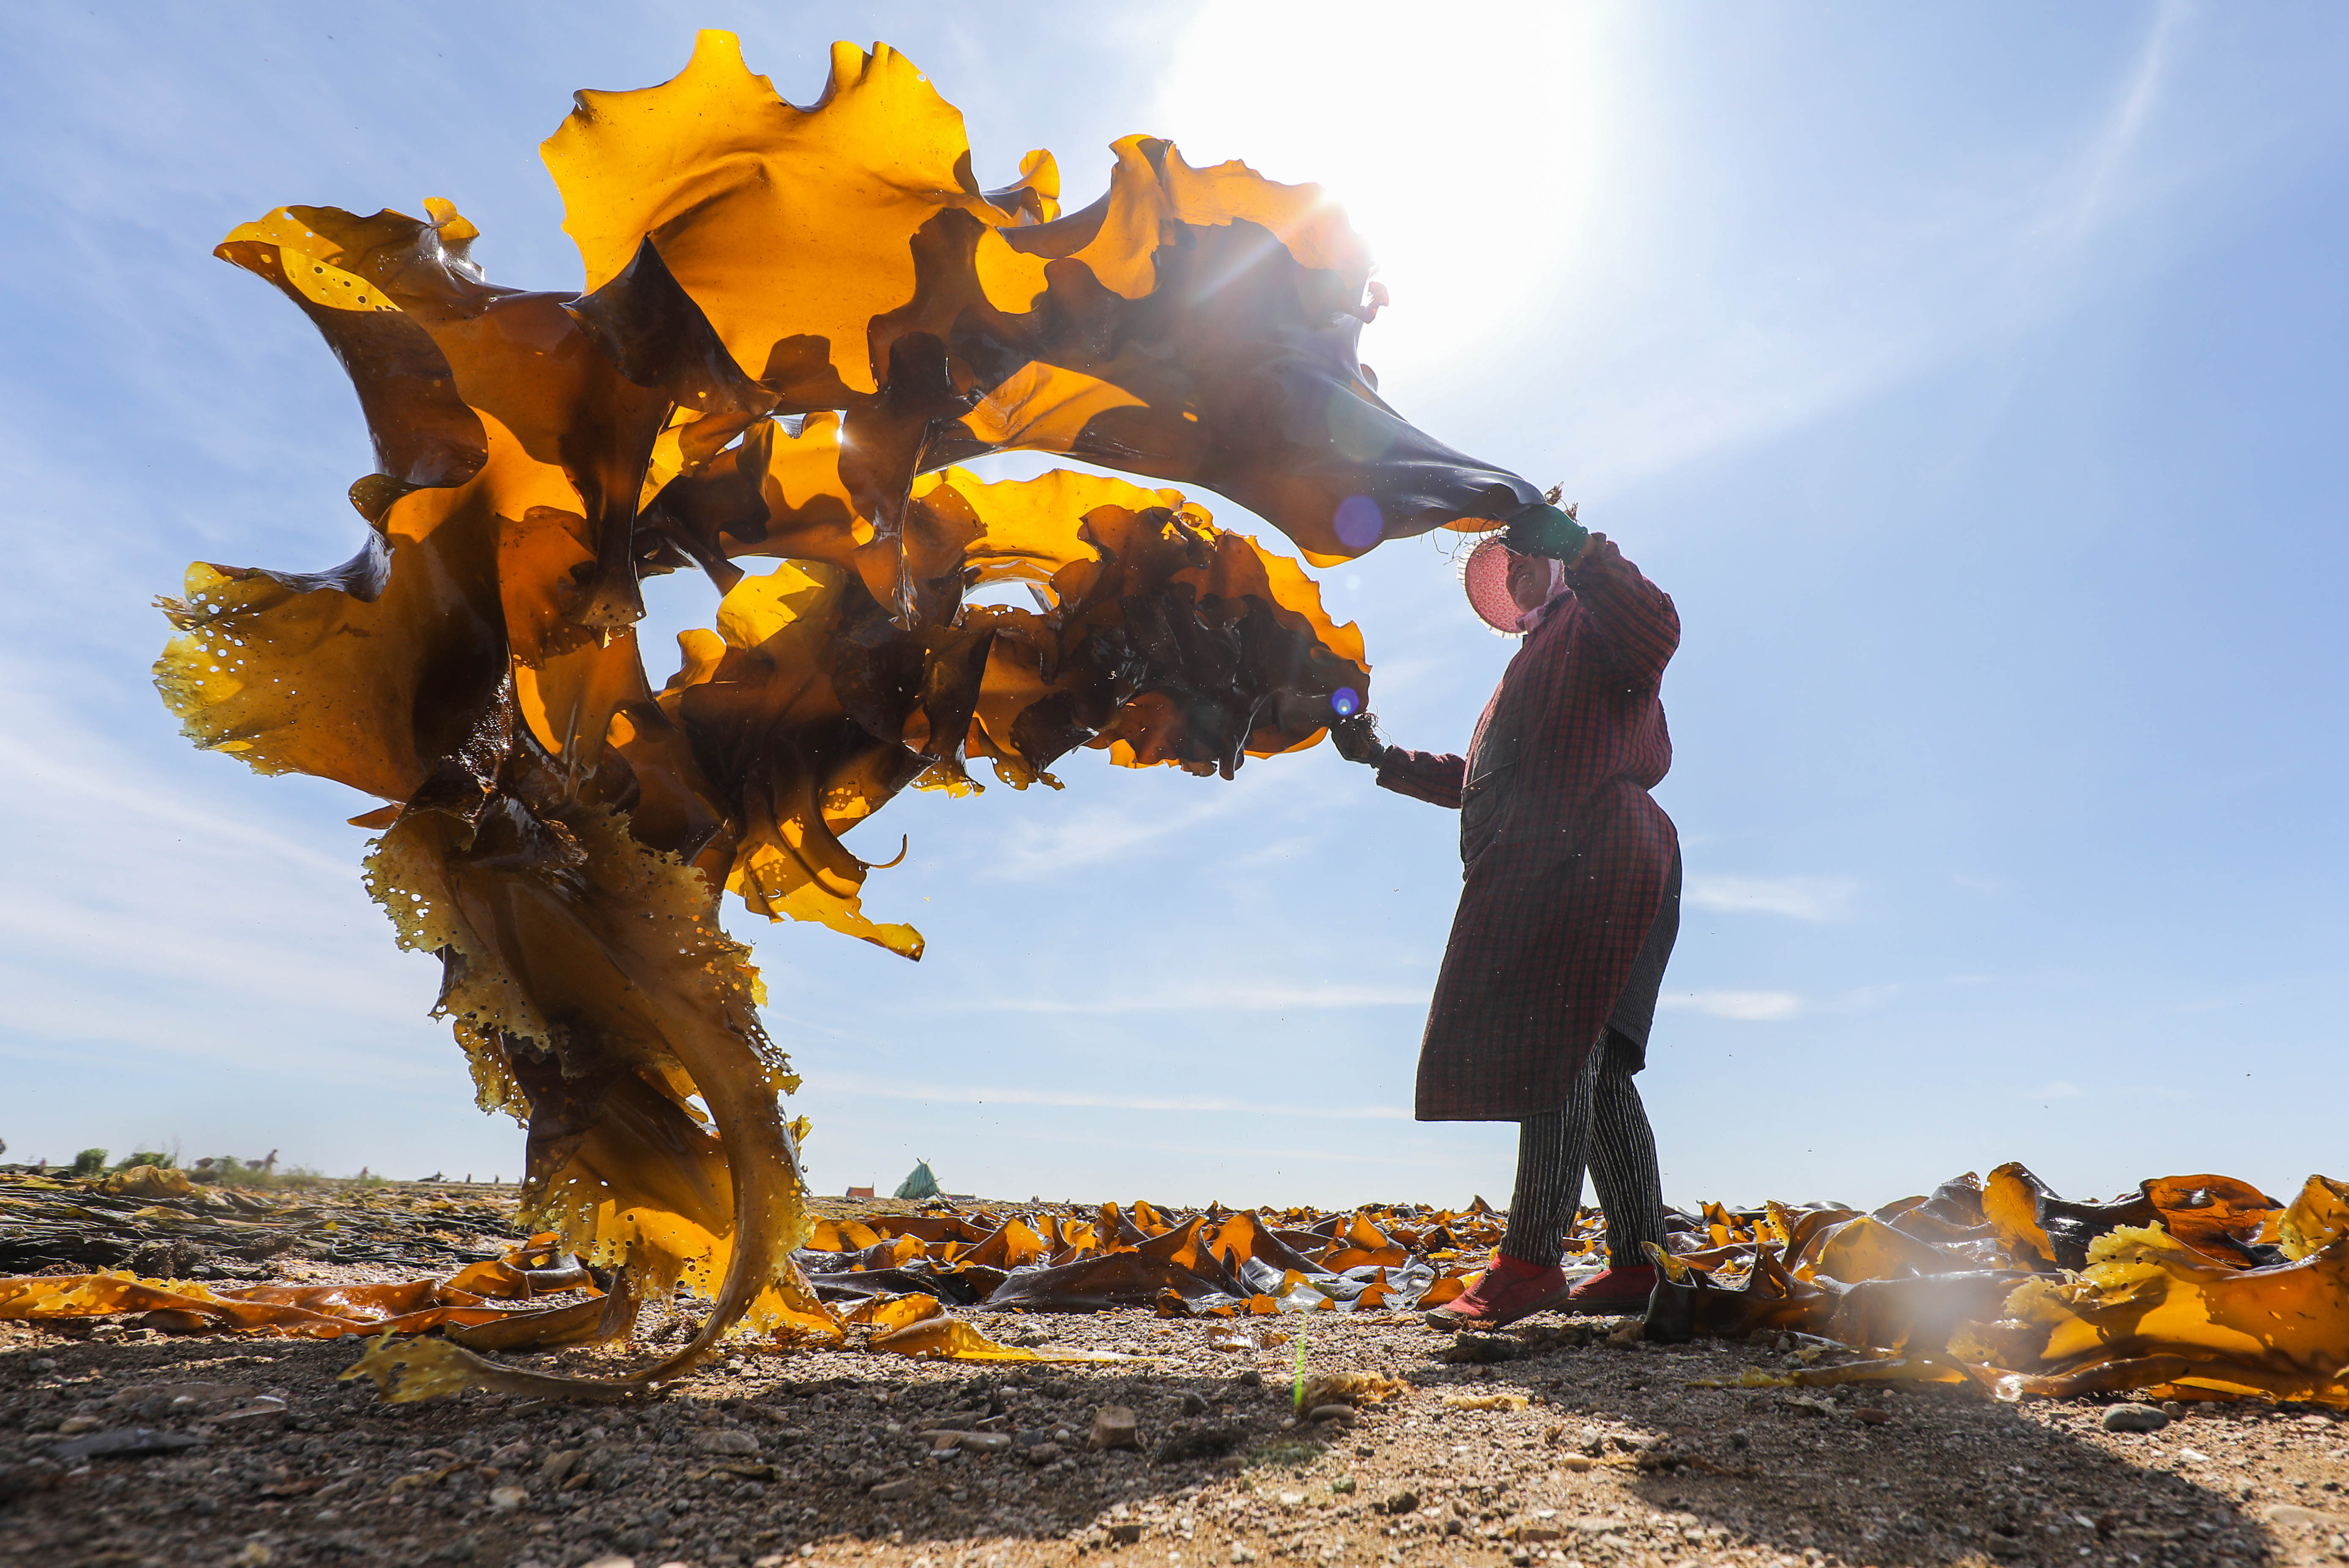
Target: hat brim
(1485, 578)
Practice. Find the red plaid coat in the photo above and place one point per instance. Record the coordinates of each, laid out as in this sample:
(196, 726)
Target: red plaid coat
(1565, 854)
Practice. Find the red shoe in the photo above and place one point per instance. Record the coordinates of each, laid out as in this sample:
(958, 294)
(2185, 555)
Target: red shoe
(1613, 1292)
(1508, 1289)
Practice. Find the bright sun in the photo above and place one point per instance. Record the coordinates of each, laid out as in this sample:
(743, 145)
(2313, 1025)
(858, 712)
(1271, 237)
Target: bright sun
(1458, 136)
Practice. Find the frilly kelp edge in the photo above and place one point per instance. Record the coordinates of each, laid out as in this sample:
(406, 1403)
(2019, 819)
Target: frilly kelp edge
(796, 323)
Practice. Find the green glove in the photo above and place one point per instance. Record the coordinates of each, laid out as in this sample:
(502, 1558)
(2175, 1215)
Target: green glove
(1542, 529)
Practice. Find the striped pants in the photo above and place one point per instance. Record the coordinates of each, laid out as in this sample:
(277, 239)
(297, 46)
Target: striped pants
(1604, 1124)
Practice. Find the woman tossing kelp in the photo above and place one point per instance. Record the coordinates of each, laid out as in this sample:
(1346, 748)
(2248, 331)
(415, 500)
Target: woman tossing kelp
(796, 322)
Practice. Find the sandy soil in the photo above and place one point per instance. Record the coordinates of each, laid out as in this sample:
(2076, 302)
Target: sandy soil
(828, 1458)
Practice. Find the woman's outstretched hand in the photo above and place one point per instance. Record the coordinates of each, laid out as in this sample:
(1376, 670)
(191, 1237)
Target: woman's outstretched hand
(1543, 530)
(1358, 739)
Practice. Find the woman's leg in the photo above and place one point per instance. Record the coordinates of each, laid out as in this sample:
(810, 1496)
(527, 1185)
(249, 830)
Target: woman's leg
(1622, 1154)
(1551, 1149)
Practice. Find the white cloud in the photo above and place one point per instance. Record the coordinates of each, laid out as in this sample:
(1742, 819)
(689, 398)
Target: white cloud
(852, 1087)
(1242, 996)
(1744, 1006)
(2104, 161)
(1033, 851)
(149, 912)
(1341, 1155)
(1864, 294)
(1798, 898)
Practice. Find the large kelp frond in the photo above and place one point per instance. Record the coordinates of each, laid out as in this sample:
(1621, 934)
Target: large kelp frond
(1197, 324)
(794, 320)
(1161, 638)
(793, 227)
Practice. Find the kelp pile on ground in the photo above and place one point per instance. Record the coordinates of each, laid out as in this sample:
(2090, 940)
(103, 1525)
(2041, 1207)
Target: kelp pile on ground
(156, 1223)
(1215, 1263)
(896, 1274)
(2194, 1287)
(457, 1305)
(795, 320)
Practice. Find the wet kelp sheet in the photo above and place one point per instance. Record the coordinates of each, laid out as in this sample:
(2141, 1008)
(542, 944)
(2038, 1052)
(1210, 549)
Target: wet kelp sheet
(2193, 1287)
(796, 322)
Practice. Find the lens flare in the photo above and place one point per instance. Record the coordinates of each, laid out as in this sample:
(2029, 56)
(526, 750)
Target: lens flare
(1345, 702)
(1358, 523)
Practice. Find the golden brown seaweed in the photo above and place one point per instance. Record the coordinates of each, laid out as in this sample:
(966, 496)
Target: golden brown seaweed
(317, 1311)
(2176, 1293)
(1197, 324)
(891, 1273)
(2147, 1313)
(794, 320)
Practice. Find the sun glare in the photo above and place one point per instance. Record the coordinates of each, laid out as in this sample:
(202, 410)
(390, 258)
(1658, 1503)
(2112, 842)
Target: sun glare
(1459, 139)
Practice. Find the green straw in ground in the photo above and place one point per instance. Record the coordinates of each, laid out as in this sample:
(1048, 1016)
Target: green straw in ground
(1296, 1385)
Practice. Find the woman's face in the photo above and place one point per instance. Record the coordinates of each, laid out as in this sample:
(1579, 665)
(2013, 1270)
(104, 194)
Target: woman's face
(1529, 581)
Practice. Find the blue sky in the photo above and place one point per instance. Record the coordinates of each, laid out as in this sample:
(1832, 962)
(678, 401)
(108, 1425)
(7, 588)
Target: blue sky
(1973, 379)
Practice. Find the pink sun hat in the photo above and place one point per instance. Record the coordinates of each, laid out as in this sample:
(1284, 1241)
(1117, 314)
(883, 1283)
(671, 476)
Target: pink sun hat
(1485, 578)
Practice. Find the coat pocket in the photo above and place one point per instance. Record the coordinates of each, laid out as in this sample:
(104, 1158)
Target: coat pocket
(1491, 770)
(1497, 755)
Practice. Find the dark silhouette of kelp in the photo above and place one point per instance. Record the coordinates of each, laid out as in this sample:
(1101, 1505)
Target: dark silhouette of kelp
(795, 320)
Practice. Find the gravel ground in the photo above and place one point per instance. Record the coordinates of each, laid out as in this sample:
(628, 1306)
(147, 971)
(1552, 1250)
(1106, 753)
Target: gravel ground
(1589, 1449)
(824, 1457)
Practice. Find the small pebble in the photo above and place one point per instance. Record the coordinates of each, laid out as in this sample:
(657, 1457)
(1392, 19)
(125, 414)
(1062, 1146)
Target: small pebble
(2134, 1418)
(1114, 1428)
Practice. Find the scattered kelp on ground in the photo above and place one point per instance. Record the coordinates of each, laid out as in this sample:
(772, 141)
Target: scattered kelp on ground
(1214, 1263)
(2194, 1287)
(156, 1223)
(795, 322)
(891, 1279)
(317, 1311)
